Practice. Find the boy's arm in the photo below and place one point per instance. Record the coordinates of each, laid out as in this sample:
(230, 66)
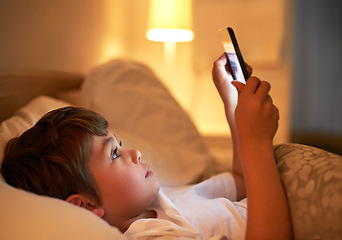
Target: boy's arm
(268, 214)
(253, 126)
(229, 95)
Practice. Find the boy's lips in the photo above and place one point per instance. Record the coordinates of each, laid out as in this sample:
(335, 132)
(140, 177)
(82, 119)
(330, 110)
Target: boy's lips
(149, 173)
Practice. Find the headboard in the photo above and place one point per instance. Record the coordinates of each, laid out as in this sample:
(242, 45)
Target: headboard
(17, 88)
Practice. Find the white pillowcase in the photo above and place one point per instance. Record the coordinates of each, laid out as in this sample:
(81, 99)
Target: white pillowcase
(26, 117)
(26, 215)
(143, 113)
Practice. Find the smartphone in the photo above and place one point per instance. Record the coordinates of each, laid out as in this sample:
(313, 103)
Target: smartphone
(237, 67)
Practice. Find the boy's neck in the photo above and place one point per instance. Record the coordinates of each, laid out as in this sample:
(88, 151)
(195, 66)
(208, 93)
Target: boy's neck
(146, 214)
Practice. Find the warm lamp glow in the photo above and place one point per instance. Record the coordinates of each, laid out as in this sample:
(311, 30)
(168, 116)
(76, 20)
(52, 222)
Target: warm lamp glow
(169, 35)
(170, 21)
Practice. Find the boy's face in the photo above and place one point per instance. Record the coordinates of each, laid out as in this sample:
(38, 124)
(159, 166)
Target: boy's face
(125, 184)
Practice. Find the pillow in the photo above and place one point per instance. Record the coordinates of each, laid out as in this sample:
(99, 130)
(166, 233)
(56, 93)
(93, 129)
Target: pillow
(26, 117)
(312, 180)
(142, 111)
(26, 215)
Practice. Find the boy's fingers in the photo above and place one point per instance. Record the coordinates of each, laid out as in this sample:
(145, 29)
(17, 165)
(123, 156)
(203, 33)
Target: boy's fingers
(263, 89)
(238, 85)
(252, 85)
(219, 66)
(222, 60)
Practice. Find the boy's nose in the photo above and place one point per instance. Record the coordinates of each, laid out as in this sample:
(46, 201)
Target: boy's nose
(136, 156)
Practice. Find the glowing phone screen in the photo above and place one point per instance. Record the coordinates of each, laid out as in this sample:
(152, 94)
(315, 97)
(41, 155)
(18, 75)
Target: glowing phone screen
(237, 65)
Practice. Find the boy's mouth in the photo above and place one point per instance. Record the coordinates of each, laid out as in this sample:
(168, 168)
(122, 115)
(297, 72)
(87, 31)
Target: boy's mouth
(149, 173)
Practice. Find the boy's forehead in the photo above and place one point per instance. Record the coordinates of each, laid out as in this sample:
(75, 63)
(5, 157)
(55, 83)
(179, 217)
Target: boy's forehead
(104, 141)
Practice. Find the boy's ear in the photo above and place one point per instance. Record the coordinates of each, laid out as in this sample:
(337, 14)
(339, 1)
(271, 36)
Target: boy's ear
(75, 199)
(82, 201)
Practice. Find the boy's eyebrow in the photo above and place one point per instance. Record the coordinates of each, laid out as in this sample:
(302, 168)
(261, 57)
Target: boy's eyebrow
(108, 141)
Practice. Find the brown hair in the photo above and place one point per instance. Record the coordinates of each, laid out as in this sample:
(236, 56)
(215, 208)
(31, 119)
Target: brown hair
(51, 158)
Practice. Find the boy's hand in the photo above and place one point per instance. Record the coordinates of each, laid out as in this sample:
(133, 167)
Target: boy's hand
(255, 115)
(222, 80)
(253, 120)
(256, 123)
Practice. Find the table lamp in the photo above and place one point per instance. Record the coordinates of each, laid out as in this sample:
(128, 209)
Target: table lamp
(170, 21)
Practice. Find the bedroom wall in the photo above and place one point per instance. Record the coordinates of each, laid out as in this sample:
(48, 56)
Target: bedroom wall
(59, 34)
(317, 109)
(264, 30)
(76, 35)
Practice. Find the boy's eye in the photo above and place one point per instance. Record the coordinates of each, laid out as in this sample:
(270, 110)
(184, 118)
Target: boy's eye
(115, 153)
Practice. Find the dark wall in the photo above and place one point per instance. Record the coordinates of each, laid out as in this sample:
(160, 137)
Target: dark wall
(317, 80)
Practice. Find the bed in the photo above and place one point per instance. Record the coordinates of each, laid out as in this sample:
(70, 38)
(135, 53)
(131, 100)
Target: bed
(141, 112)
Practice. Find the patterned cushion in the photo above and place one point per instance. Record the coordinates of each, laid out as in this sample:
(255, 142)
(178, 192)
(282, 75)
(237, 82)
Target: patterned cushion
(313, 182)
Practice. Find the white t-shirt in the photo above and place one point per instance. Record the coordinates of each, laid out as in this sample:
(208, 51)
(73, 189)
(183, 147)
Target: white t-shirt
(207, 210)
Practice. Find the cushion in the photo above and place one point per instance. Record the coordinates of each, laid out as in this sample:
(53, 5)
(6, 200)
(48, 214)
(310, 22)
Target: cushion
(143, 112)
(26, 215)
(26, 117)
(313, 182)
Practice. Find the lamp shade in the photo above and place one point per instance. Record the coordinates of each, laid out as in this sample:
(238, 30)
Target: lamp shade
(170, 21)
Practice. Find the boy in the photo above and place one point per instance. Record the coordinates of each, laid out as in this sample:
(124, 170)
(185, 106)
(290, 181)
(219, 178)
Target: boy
(74, 157)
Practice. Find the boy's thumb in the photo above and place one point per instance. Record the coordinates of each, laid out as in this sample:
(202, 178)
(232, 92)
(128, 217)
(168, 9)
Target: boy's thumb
(238, 85)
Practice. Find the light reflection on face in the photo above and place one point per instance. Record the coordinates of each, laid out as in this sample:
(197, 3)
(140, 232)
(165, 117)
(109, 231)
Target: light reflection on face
(125, 183)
